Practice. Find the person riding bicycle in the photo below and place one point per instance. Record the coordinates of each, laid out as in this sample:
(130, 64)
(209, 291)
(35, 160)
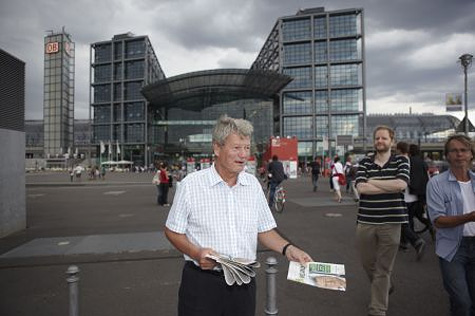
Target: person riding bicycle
(276, 175)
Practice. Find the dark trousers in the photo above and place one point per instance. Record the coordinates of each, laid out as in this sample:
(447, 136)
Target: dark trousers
(416, 209)
(273, 186)
(315, 181)
(163, 197)
(205, 293)
(159, 193)
(409, 236)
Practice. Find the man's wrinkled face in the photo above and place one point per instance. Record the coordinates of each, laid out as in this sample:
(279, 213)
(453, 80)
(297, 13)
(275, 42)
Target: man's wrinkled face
(459, 155)
(232, 156)
(382, 141)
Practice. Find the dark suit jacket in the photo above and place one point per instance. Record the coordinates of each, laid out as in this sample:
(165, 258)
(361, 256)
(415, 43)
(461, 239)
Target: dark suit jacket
(419, 177)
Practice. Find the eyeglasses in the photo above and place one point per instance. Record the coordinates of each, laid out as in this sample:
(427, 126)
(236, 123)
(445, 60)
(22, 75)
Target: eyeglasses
(461, 151)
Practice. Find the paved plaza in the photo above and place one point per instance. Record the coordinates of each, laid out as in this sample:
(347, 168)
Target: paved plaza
(113, 231)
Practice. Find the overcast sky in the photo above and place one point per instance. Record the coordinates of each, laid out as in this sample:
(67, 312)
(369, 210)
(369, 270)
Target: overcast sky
(412, 47)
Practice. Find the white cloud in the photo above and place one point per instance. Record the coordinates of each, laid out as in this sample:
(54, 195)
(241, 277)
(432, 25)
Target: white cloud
(443, 54)
(394, 38)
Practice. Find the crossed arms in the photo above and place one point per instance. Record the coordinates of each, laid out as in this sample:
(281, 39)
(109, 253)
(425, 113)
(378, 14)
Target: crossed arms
(373, 187)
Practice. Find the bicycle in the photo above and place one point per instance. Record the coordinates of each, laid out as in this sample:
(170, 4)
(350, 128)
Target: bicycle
(279, 199)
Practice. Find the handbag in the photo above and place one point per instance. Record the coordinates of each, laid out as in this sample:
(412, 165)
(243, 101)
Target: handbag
(170, 181)
(341, 179)
(155, 179)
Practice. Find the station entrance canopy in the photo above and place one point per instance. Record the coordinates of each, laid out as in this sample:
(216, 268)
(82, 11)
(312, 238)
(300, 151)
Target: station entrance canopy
(198, 90)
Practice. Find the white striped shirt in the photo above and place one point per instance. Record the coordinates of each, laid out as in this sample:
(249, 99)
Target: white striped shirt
(214, 215)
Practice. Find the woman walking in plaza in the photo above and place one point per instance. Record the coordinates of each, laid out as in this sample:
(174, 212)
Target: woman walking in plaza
(337, 172)
(164, 185)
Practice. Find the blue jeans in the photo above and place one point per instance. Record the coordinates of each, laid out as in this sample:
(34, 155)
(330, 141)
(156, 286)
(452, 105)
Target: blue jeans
(459, 278)
(315, 181)
(273, 186)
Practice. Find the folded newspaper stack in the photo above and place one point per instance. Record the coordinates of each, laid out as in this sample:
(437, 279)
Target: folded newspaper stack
(236, 270)
(323, 275)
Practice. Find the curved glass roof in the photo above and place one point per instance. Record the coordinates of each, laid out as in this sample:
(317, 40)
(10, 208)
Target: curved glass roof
(428, 123)
(197, 90)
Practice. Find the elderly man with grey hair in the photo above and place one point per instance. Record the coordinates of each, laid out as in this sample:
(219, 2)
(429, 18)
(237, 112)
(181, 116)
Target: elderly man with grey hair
(222, 210)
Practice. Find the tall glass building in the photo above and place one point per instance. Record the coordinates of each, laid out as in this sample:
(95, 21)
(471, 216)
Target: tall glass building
(324, 53)
(120, 114)
(58, 103)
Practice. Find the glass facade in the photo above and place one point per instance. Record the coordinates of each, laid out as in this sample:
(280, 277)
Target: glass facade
(324, 54)
(58, 98)
(188, 133)
(120, 114)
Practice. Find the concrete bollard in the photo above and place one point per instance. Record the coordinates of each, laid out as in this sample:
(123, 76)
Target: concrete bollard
(271, 297)
(72, 279)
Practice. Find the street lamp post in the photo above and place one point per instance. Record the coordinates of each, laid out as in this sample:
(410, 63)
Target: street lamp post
(466, 61)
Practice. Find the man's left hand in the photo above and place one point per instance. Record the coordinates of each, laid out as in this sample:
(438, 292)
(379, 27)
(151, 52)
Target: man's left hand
(295, 254)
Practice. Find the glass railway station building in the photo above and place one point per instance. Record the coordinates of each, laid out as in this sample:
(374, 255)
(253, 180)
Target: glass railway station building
(307, 81)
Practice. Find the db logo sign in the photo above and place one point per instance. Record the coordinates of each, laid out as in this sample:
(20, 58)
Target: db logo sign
(52, 47)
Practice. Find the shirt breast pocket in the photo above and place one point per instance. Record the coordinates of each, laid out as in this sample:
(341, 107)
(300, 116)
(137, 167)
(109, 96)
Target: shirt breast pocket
(450, 206)
(248, 220)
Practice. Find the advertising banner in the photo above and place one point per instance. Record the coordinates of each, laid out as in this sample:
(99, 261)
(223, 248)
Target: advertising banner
(453, 102)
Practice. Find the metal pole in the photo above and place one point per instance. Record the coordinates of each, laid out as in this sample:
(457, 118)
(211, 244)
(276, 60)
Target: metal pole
(465, 99)
(72, 280)
(271, 297)
(466, 61)
(363, 77)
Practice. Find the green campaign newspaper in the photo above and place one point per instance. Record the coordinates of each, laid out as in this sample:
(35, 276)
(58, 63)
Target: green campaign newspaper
(329, 276)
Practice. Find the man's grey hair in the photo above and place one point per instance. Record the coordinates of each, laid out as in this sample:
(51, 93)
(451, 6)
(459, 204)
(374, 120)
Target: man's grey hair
(226, 126)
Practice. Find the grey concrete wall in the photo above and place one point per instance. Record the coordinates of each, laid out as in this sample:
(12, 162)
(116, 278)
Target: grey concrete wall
(12, 182)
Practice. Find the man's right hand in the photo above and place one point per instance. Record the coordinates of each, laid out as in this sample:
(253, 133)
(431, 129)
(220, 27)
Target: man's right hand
(202, 259)
(183, 244)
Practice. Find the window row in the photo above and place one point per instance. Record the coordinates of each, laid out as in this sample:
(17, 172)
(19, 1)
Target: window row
(301, 53)
(132, 133)
(59, 86)
(56, 71)
(65, 79)
(122, 91)
(340, 101)
(308, 128)
(57, 62)
(339, 75)
(132, 70)
(340, 25)
(53, 112)
(132, 49)
(134, 111)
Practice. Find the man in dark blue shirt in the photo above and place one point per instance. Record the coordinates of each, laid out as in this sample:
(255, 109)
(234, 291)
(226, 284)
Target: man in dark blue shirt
(277, 175)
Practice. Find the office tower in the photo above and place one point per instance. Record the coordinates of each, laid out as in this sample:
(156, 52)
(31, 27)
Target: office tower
(324, 53)
(120, 114)
(58, 104)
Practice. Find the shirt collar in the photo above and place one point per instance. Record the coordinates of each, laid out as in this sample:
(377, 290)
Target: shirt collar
(453, 178)
(391, 158)
(215, 178)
